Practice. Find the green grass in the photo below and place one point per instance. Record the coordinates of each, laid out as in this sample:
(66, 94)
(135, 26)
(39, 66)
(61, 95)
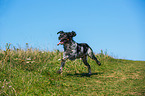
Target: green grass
(33, 72)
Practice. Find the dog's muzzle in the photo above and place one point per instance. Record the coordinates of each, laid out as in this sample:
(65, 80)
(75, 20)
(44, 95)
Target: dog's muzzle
(63, 41)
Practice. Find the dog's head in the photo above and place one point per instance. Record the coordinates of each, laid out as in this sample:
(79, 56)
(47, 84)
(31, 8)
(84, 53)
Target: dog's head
(65, 37)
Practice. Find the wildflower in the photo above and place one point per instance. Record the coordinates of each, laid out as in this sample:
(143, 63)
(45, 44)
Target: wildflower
(32, 61)
(3, 86)
(28, 58)
(7, 83)
(59, 59)
(16, 59)
(27, 62)
(10, 86)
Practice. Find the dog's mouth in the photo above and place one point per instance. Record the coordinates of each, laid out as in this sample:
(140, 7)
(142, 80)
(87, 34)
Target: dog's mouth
(63, 41)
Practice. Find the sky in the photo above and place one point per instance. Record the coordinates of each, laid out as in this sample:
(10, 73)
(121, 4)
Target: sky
(114, 26)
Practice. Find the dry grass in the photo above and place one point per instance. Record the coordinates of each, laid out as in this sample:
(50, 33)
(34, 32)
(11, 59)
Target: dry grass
(33, 72)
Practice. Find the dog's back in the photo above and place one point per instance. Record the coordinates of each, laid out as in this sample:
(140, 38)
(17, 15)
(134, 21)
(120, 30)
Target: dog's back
(82, 48)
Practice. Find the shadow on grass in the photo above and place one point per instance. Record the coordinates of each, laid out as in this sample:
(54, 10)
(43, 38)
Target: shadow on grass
(83, 74)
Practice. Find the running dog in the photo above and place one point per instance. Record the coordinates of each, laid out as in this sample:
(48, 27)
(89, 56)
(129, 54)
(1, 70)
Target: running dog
(73, 50)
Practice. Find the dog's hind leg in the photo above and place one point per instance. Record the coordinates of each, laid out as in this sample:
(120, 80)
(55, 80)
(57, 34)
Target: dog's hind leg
(87, 64)
(92, 56)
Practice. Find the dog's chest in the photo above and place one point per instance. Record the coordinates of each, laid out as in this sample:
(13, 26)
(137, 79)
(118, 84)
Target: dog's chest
(70, 48)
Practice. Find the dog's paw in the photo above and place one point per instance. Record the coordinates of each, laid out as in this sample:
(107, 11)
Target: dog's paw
(99, 63)
(59, 71)
(89, 73)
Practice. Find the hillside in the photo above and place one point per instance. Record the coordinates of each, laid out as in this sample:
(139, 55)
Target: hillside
(33, 72)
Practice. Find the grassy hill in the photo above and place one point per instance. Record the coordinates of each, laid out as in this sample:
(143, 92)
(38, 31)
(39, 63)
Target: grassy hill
(33, 72)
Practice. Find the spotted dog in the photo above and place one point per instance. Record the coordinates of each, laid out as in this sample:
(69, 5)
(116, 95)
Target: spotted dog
(73, 50)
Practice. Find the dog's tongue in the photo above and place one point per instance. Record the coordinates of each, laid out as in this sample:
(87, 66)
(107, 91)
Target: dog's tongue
(59, 43)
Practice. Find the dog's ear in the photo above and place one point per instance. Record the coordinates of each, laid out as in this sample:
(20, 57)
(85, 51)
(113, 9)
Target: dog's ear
(72, 34)
(60, 32)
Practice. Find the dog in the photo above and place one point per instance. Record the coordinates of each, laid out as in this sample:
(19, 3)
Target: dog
(73, 50)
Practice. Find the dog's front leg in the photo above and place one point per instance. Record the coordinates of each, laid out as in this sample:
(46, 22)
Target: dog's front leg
(62, 64)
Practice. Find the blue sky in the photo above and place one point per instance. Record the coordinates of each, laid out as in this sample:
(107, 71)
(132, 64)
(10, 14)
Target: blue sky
(117, 26)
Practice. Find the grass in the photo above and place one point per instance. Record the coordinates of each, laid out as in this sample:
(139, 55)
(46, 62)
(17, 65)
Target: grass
(33, 72)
